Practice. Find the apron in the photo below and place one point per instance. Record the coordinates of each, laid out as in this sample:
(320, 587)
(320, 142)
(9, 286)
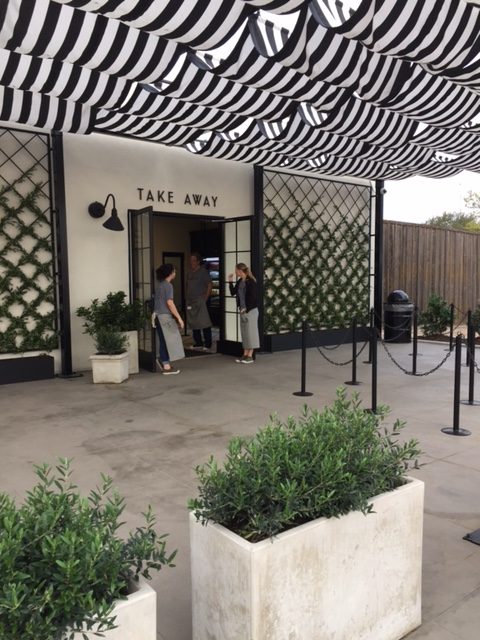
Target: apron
(197, 314)
(172, 336)
(249, 329)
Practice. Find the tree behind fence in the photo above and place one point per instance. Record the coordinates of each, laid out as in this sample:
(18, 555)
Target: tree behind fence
(422, 260)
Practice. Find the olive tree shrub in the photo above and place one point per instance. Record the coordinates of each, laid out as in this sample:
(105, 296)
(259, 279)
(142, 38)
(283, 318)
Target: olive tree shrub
(62, 560)
(323, 463)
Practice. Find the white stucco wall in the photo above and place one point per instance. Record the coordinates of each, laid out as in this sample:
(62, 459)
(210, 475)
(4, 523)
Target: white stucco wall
(96, 165)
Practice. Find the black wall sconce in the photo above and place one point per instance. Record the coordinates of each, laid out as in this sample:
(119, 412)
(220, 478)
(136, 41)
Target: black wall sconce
(97, 210)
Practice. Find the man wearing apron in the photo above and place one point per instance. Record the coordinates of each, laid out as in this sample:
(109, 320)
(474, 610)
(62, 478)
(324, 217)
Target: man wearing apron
(199, 289)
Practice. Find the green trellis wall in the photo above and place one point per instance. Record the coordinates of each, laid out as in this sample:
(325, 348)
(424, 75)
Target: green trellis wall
(316, 252)
(28, 319)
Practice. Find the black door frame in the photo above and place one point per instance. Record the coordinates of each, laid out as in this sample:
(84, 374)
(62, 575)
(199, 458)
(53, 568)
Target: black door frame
(225, 346)
(146, 358)
(230, 347)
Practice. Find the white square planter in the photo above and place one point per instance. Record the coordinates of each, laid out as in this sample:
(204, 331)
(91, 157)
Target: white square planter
(136, 617)
(355, 577)
(109, 368)
(132, 351)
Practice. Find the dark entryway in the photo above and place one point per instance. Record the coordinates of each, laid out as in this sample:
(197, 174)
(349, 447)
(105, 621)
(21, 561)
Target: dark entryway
(157, 237)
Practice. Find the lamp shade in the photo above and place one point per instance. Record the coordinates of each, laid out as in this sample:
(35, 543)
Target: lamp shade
(113, 223)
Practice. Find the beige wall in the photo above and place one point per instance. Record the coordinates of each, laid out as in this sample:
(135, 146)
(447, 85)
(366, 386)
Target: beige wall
(96, 165)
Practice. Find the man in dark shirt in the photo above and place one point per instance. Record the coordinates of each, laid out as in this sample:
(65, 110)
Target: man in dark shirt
(199, 289)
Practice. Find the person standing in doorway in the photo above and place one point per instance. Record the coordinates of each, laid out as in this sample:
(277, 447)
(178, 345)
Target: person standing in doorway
(246, 292)
(167, 321)
(199, 289)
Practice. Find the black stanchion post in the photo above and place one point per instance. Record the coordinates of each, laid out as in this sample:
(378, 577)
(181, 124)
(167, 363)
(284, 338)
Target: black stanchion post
(372, 324)
(471, 377)
(471, 381)
(471, 372)
(302, 391)
(452, 320)
(469, 331)
(374, 369)
(415, 340)
(456, 430)
(354, 380)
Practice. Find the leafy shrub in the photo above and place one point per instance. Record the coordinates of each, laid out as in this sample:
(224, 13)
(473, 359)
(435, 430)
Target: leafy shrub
(62, 563)
(322, 464)
(112, 312)
(110, 342)
(436, 318)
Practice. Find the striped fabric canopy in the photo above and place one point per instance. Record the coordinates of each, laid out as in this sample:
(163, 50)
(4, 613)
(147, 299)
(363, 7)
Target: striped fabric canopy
(380, 89)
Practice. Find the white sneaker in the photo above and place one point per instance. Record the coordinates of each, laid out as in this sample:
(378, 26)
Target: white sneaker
(170, 372)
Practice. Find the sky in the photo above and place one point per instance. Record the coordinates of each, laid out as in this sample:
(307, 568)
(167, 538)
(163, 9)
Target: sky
(417, 199)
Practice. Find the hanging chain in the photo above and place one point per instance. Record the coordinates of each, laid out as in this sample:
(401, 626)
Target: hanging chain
(340, 344)
(406, 325)
(340, 364)
(333, 348)
(410, 373)
(391, 357)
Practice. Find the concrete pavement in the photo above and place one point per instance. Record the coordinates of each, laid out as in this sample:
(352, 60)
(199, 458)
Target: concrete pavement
(149, 432)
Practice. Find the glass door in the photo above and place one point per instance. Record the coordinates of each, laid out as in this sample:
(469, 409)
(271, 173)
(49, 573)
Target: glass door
(143, 279)
(236, 247)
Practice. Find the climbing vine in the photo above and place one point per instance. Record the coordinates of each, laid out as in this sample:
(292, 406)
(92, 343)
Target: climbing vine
(27, 292)
(316, 253)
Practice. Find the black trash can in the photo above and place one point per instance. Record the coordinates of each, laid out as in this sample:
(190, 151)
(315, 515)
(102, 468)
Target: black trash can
(398, 314)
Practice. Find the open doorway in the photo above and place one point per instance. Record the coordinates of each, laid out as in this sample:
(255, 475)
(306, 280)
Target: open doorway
(222, 242)
(174, 239)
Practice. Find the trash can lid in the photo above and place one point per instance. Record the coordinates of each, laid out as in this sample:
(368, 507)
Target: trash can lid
(398, 297)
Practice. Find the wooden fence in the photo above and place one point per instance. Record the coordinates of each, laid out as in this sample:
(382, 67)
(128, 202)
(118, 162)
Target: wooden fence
(421, 260)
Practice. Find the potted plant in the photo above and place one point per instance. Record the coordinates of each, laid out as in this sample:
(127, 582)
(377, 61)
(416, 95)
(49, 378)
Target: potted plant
(114, 313)
(309, 530)
(66, 572)
(110, 362)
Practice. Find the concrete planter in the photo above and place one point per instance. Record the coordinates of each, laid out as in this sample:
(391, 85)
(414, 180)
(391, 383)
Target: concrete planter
(136, 616)
(132, 351)
(109, 368)
(351, 578)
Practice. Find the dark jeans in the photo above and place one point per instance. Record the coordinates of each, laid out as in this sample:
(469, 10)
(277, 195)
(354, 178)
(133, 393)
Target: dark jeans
(162, 345)
(207, 337)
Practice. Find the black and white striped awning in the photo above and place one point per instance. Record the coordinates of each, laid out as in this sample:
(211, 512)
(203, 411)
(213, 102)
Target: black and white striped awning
(370, 88)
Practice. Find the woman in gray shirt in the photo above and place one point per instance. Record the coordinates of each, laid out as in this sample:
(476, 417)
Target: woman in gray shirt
(165, 319)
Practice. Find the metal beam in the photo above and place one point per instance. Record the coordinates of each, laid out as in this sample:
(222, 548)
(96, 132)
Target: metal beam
(62, 255)
(257, 243)
(378, 277)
